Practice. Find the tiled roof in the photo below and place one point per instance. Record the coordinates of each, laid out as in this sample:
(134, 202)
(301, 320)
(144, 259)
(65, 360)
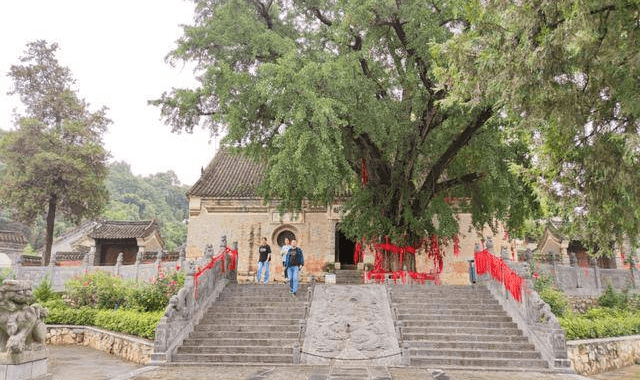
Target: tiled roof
(229, 176)
(115, 229)
(13, 237)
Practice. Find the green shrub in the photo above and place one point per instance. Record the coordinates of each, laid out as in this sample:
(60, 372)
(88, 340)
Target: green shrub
(556, 300)
(98, 289)
(155, 295)
(614, 299)
(129, 322)
(124, 321)
(44, 291)
(84, 316)
(601, 323)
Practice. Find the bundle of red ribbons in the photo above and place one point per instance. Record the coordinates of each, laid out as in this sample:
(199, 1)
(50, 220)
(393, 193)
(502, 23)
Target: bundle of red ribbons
(500, 271)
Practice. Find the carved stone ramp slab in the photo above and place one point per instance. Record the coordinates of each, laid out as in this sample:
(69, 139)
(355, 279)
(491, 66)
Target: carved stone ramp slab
(350, 325)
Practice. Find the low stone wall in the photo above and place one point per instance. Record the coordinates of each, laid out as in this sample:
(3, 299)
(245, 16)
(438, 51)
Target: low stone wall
(592, 356)
(580, 304)
(126, 347)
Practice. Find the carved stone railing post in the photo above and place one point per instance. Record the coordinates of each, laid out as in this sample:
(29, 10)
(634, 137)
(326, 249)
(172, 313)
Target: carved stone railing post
(119, 263)
(91, 256)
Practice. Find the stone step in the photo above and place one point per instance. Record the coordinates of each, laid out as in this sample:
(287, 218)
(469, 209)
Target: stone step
(198, 334)
(460, 330)
(498, 317)
(466, 345)
(258, 303)
(205, 328)
(279, 309)
(445, 337)
(429, 324)
(447, 309)
(221, 314)
(232, 320)
(254, 350)
(444, 362)
(481, 354)
(283, 298)
(234, 358)
(226, 342)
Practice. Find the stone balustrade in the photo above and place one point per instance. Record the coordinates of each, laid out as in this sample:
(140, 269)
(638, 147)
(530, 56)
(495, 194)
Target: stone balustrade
(186, 309)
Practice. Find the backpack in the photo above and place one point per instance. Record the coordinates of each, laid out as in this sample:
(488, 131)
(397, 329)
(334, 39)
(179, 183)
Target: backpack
(293, 258)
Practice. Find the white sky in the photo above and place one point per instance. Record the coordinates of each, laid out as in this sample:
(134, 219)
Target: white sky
(115, 50)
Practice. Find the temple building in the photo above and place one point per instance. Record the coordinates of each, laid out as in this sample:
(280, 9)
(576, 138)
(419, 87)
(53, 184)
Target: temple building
(224, 202)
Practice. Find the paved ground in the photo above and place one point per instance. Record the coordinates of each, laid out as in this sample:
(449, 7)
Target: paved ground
(83, 363)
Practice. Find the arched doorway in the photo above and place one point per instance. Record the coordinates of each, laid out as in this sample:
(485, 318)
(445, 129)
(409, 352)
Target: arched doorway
(345, 248)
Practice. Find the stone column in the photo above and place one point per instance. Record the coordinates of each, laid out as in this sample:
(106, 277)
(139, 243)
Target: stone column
(564, 255)
(91, 256)
(119, 263)
(596, 272)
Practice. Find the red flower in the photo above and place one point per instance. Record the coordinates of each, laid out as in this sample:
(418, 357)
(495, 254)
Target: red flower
(535, 275)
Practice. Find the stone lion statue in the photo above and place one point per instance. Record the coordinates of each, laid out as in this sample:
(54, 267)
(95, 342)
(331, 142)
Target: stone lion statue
(21, 325)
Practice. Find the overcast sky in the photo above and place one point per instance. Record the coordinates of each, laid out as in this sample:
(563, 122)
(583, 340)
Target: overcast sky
(115, 50)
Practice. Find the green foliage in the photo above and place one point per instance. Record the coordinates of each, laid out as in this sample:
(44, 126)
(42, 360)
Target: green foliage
(97, 289)
(64, 315)
(325, 92)
(101, 300)
(554, 297)
(6, 273)
(159, 196)
(601, 323)
(611, 298)
(55, 162)
(142, 324)
(29, 251)
(155, 295)
(44, 291)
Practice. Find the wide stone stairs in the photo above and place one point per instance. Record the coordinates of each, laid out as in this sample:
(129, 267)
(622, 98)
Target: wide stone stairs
(348, 276)
(248, 323)
(460, 327)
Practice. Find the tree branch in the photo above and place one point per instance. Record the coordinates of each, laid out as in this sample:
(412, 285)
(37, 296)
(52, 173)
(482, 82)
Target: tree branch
(430, 184)
(321, 17)
(465, 179)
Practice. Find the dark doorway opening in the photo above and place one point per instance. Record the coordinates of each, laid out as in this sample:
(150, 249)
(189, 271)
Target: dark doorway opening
(344, 249)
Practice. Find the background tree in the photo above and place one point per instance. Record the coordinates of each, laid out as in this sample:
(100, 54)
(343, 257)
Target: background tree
(159, 196)
(55, 161)
(347, 97)
(570, 69)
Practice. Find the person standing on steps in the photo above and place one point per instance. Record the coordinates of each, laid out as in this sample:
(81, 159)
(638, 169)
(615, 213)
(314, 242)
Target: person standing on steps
(263, 261)
(283, 251)
(294, 262)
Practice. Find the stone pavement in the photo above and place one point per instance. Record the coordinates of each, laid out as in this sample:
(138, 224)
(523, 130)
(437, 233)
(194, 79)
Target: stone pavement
(84, 363)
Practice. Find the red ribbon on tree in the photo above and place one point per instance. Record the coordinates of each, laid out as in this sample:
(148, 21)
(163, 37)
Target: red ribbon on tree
(365, 174)
(379, 274)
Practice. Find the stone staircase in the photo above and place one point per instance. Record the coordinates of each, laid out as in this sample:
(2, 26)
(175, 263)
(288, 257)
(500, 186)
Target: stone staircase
(248, 323)
(460, 327)
(348, 276)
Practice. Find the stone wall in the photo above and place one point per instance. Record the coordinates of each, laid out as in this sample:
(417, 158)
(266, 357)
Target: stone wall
(126, 347)
(587, 281)
(60, 275)
(593, 356)
(580, 304)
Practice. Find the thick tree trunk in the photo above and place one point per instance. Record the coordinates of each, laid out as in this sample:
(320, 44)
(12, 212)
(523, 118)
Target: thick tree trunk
(51, 216)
